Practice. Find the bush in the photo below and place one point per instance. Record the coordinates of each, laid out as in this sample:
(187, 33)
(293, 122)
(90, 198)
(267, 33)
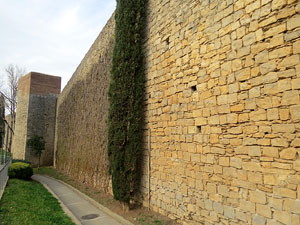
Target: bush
(21, 160)
(20, 170)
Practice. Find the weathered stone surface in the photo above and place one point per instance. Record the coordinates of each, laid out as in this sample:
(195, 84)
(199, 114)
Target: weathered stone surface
(290, 98)
(295, 112)
(293, 22)
(257, 81)
(288, 153)
(82, 107)
(283, 217)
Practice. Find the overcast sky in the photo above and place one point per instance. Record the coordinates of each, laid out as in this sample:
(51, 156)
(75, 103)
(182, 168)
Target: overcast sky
(50, 36)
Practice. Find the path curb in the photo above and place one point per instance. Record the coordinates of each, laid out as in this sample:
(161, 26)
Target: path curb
(95, 203)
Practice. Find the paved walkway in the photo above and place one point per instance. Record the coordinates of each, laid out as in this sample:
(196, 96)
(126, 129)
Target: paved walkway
(81, 208)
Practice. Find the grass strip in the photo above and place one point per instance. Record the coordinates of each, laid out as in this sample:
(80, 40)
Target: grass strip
(28, 202)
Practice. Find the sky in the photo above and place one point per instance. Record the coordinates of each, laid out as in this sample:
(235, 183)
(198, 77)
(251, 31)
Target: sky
(50, 36)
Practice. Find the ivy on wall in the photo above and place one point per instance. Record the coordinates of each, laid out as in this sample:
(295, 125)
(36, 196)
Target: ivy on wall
(126, 98)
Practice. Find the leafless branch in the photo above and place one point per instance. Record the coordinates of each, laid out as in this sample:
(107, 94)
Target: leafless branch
(12, 73)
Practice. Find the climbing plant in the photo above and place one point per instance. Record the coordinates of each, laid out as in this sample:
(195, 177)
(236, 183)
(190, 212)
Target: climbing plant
(126, 98)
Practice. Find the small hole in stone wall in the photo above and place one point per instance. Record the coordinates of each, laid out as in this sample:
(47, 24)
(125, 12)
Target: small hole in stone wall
(167, 41)
(199, 129)
(194, 88)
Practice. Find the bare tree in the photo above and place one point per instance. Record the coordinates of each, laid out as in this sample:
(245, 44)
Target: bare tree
(12, 74)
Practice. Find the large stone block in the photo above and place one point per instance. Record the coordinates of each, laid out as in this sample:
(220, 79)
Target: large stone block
(282, 216)
(290, 98)
(281, 52)
(295, 112)
(283, 128)
(288, 153)
(293, 22)
(285, 192)
(258, 197)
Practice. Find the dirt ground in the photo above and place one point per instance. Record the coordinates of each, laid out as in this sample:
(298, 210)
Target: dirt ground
(137, 215)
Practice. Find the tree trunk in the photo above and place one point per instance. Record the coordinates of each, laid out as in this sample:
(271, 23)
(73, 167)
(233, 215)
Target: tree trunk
(12, 125)
(39, 161)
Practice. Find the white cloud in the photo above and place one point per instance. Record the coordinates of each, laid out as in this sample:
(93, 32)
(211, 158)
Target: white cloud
(50, 36)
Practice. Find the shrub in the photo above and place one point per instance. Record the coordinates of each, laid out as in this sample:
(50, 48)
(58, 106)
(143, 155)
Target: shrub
(20, 170)
(20, 160)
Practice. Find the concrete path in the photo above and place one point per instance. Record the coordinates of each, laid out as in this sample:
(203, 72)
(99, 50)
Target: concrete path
(81, 208)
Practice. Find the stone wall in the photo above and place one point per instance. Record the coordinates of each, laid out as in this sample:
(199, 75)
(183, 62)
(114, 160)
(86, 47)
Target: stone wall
(36, 110)
(223, 81)
(81, 132)
(19, 138)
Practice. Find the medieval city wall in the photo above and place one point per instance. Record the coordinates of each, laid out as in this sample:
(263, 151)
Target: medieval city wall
(82, 112)
(223, 81)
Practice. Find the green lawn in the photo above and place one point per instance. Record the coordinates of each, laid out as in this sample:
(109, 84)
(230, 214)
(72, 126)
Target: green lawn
(28, 202)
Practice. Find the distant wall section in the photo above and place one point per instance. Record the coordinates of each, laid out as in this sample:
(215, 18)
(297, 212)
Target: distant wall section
(81, 124)
(20, 136)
